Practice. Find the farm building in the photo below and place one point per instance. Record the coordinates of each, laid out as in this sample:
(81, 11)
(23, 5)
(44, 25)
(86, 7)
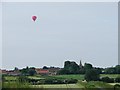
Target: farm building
(11, 72)
(42, 71)
(53, 71)
(50, 71)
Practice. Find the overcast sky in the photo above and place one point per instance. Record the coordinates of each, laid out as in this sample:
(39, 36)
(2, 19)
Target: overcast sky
(62, 31)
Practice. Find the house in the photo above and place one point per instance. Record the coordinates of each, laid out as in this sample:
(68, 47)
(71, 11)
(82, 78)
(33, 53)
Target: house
(11, 72)
(53, 71)
(42, 71)
(14, 73)
(4, 72)
(50, 71)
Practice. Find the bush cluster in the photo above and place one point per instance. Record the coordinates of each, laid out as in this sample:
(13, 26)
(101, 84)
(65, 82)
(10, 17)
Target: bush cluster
(107, 79)
(110, 80)
(47, 81)
(60, 81)
(117, 80)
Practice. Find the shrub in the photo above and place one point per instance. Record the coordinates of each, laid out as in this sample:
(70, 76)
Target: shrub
(71, 81)
(107, 79)
(60, 81)
(23, 79)
(116, 87)
(117, 79)
(92, 75)
(49, 81)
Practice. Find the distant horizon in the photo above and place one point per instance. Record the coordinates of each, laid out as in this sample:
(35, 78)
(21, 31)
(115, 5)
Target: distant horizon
(56, 66)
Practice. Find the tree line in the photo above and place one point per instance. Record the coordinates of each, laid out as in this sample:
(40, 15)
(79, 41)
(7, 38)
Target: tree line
(74, 68)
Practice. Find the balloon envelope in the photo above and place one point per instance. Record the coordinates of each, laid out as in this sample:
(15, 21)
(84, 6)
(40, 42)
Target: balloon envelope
(34, 18)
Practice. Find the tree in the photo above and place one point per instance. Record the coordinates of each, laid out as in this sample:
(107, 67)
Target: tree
(99, 70)
(24, 71)
(16, 69)
(88, 66)
(110, 70)
(92, 75)
(70, 68)
(28, 71)
(64, 71)
(45, 67)
(117, 69)
(117, 79)
(82, 71)
(32, 71)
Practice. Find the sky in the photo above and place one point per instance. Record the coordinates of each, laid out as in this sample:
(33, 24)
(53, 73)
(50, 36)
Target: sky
(63, 31)
(0, 35)
(60, 1)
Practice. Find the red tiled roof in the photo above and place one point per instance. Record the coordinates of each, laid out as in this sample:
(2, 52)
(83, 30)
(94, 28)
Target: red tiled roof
(42, 71)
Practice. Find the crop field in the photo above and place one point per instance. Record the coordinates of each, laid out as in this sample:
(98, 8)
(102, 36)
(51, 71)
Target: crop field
(80, 85)
(58, 86)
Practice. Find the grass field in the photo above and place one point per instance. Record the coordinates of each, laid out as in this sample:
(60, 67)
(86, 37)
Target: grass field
(80, 84)
(95, 84)
(36, 77)
(114, 83)
(57, 86)
(15, 85)
(10, 78)
(78, 77)
(110, 75)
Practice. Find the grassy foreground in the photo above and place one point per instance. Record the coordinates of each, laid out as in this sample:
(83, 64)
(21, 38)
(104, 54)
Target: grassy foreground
(12, 82)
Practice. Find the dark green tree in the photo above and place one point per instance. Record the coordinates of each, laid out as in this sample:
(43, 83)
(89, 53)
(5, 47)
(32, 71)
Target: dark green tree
(31, 71)
(72, 67)
(92, 75)
(88, 66)
(117, 79)
(82, 71)
(16, 69)
(110, 70)
(45, 67)
(64, 71)
(117, 69)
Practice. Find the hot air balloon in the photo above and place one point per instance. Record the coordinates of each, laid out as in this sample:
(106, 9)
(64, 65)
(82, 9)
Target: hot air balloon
(34, 18)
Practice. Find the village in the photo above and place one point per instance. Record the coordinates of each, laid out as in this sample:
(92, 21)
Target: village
(45, 71)
(39, 71)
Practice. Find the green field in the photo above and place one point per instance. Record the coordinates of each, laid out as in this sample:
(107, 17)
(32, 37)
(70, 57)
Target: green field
(110, 75)
(10, 78)
(80, 84)
(95, 84)
(78, 77)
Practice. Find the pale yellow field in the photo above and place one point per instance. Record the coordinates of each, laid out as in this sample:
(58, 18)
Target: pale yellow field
(58, 86)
